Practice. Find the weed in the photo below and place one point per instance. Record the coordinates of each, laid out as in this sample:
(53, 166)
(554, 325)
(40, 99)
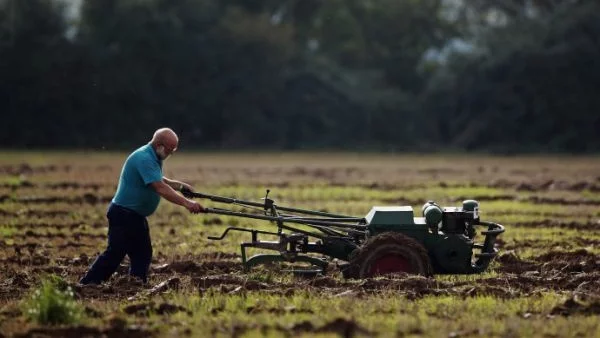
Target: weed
(53, 303)
(7, 231)
(264, 276)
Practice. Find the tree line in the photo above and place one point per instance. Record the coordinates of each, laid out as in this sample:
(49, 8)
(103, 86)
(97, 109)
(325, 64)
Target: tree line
(383, 75)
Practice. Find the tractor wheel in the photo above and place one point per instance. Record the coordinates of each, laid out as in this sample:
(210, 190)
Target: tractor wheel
(387, 253)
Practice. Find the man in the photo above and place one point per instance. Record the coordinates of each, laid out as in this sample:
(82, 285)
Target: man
(141, 186)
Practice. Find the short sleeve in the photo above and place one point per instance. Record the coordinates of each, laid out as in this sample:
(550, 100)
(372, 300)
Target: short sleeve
(149, 171)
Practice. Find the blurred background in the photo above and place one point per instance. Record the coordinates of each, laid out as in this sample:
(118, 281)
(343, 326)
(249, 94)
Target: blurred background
(499, 76)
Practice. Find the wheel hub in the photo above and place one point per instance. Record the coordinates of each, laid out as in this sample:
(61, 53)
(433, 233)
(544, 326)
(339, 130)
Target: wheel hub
(389, 264)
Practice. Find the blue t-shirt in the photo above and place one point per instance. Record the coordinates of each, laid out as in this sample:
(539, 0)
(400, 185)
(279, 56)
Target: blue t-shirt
(134, 192)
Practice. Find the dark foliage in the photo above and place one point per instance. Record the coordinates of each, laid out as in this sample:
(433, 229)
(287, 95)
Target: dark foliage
(301, 74)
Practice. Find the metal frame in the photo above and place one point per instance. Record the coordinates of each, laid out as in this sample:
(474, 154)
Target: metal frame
(488, 252)
(293, 246)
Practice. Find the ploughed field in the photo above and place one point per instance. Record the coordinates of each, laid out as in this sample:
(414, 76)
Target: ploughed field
(545, 281)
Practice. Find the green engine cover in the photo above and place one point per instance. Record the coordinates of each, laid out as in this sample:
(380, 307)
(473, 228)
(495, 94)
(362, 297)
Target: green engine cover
(390, 215)
(397, 219)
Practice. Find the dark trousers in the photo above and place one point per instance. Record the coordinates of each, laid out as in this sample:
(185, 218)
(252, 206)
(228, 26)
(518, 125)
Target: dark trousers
(128, 234)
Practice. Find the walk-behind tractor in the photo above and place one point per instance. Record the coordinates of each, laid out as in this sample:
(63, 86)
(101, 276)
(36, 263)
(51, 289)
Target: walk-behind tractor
(389, 239)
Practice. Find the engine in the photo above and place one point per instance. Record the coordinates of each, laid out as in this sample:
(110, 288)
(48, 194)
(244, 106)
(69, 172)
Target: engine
(452, 220)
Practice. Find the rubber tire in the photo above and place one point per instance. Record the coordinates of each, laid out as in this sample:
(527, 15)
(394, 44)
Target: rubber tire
(385, 243)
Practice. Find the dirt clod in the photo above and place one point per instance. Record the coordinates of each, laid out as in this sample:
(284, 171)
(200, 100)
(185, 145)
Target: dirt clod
(344, 327)
(85, 331)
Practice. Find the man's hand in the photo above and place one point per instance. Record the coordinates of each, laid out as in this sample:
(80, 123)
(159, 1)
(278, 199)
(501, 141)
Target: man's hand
(194, 207)
(167, 192)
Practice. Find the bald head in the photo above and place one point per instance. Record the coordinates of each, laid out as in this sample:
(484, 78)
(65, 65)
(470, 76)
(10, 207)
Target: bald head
(165, 135)
(165, 142)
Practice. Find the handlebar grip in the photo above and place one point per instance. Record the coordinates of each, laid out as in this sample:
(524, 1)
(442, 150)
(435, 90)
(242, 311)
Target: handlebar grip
(187, 192)
(190, 194)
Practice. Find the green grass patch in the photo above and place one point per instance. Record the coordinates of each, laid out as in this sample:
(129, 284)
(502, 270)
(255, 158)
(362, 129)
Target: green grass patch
(520, 207)
(7, 231)
(12, 181)
(591, 195)
(52, 303)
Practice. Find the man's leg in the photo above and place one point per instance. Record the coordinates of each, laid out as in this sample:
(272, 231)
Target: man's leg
(140, 252)
(108, 262)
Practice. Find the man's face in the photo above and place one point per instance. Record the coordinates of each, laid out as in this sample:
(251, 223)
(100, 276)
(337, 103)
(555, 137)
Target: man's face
(164, 150)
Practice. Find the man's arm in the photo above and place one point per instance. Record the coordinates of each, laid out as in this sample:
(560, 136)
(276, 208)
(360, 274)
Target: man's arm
(167, 192)
(177, 185)
(151, 174)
